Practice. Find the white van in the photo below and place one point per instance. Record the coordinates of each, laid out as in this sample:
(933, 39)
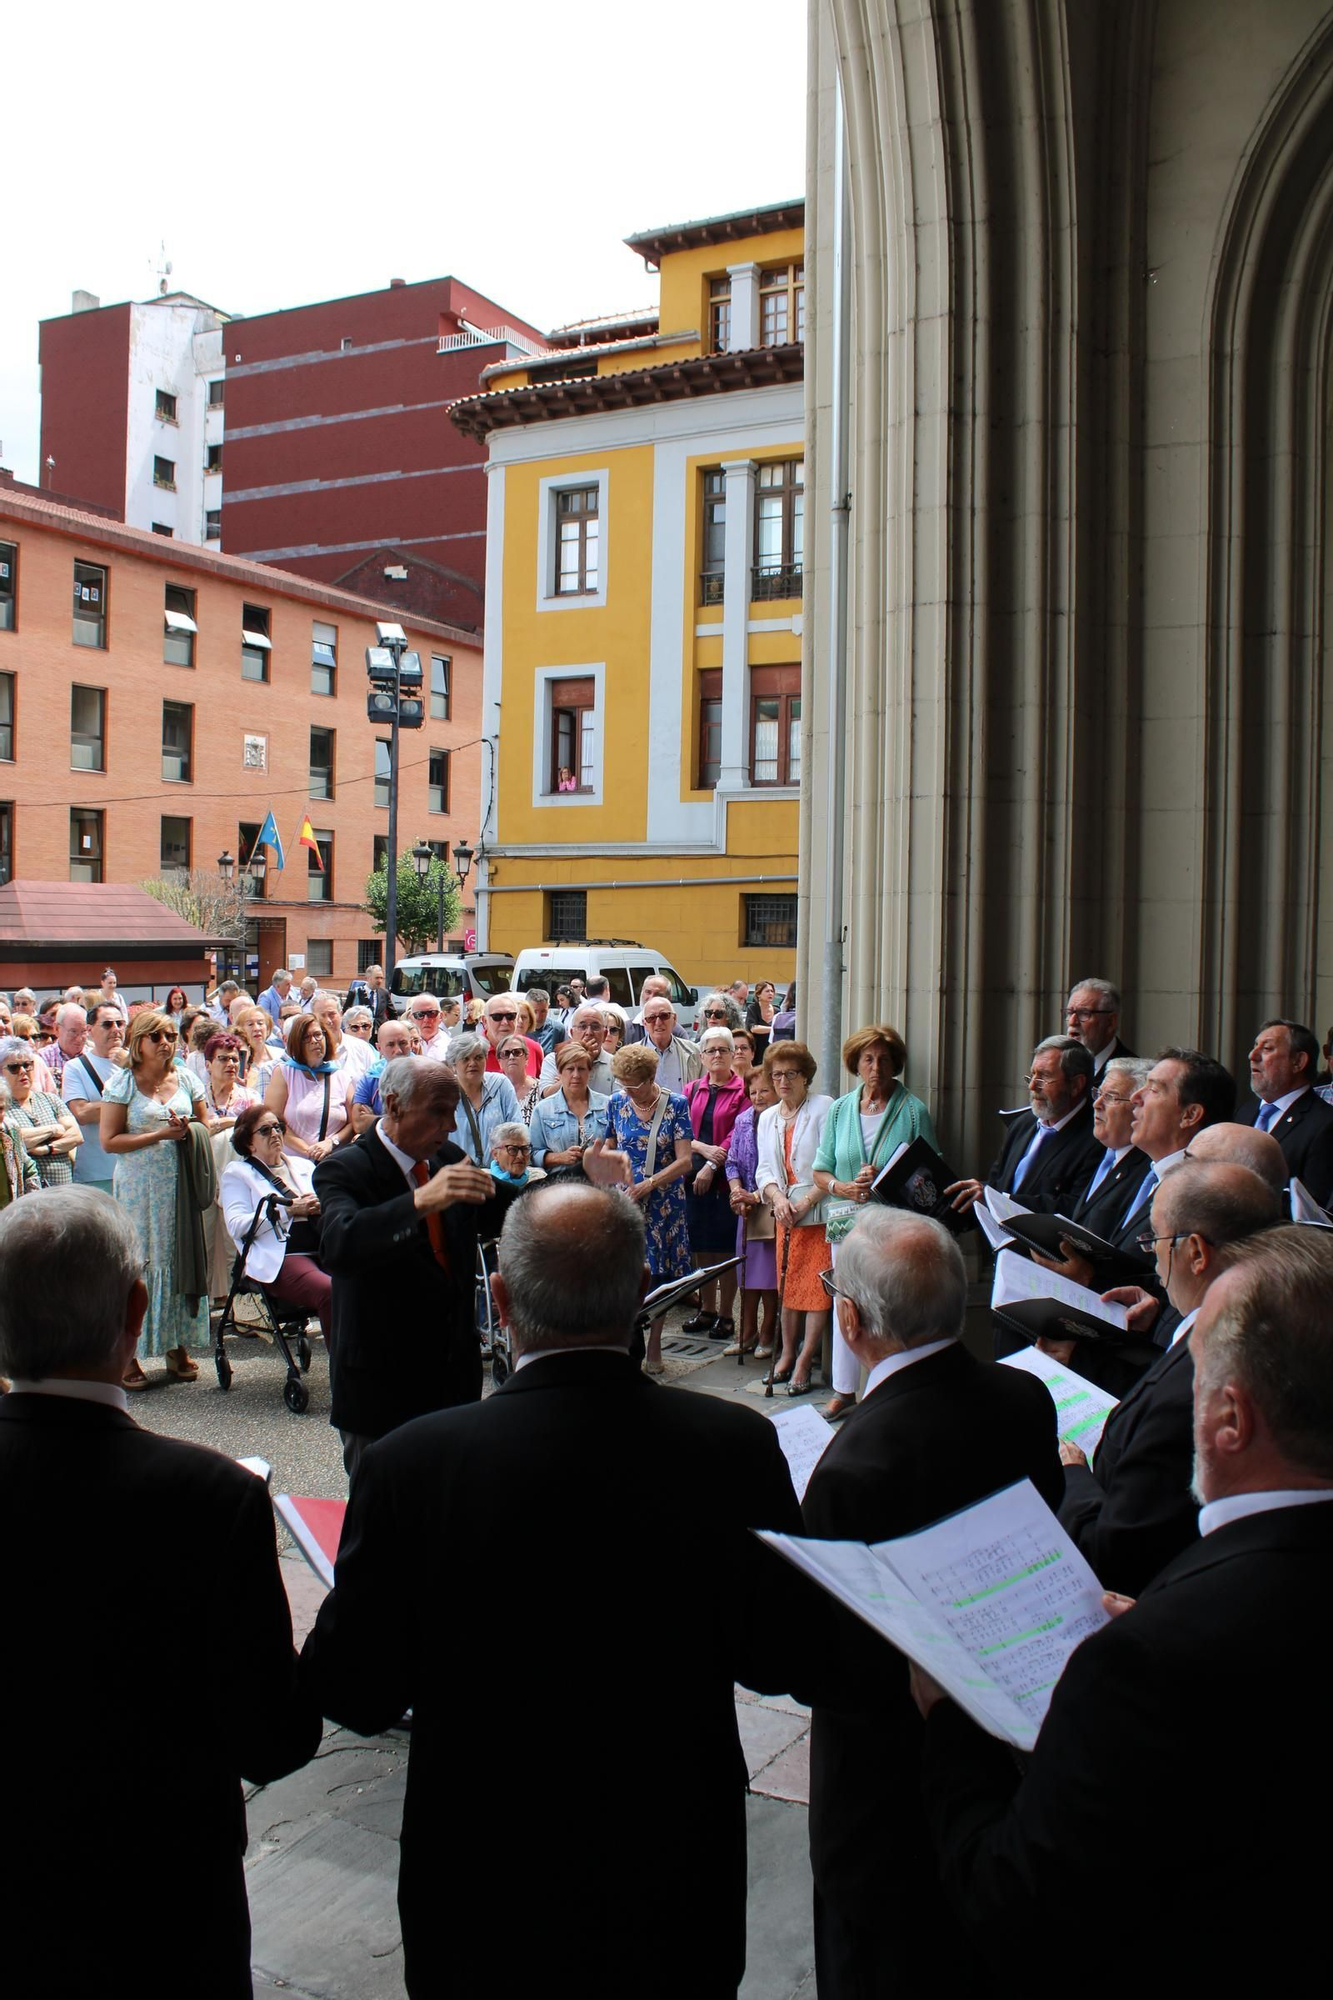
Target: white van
(449, 977)
(623, 963)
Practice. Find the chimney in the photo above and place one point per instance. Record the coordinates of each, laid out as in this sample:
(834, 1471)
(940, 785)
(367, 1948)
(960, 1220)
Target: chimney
(84, 302)
(394, 283)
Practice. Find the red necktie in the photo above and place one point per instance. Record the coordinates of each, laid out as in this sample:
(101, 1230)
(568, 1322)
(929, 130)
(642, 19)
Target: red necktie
(434, 1220)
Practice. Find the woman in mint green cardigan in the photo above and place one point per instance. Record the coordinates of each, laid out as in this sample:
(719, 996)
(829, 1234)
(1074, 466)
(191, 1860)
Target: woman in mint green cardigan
(862, 1133)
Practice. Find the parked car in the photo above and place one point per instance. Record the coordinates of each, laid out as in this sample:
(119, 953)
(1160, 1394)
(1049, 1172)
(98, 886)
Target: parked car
(622, 962)
(447, 976)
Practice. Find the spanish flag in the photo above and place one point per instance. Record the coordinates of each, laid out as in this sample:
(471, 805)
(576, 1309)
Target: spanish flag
(306, 838)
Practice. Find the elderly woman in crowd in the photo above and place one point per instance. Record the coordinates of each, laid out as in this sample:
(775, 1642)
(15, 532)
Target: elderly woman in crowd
(147, 1112)
(358, 1026)
(225, 1097)
(716, 1100)
(653, 1127)
(50, 1130)
(863, 1131)
(485, 1100)
(719, 1010)
(26, 1029)
(572, 1118)
(754, 1224)
(616, 1021)
(311, 1095)
(744, 1052)
(512, 1054)
(790, 1134)
(252, 1028)
(284, 1254)
(18, 1171)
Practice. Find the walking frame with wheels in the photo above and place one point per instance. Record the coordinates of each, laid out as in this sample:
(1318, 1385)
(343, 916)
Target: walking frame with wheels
(494, 1337)
(286, 1323)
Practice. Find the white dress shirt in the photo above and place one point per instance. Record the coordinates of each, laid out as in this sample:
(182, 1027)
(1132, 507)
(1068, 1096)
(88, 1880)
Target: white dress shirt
(66, 1385)
(1236, 1506)
(1182, 1332)
(1278, 1107)
(396, 1153)
(893, 1362)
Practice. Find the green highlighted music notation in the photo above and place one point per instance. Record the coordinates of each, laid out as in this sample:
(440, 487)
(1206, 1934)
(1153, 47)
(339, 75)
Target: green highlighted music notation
(1006, 1582)
(1017, 1638)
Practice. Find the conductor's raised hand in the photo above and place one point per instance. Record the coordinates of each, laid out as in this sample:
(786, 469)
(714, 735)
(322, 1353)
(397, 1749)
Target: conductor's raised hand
(461, 1182)
(604, 1167)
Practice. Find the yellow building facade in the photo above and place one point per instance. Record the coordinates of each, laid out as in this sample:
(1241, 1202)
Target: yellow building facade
(645, 537)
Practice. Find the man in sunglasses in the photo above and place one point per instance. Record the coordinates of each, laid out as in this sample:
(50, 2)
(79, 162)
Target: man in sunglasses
(678, 1060)
(81, 1084)
(500, 1021)
(423, 1011)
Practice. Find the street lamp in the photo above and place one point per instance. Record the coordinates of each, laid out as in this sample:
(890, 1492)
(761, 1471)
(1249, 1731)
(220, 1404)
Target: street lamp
(226, 865)
(258, 866)
(462, 863)
(395, 698)
(421, 860)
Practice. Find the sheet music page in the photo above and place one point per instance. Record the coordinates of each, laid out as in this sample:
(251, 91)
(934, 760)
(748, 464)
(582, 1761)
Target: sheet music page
(1018, 1278)
(804, 1436)
(1081, 1408)
(994, 1234)
(1002, 1206)
(1304, 1207)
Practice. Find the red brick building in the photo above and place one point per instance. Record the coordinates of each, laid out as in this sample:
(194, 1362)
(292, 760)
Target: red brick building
(156, 699)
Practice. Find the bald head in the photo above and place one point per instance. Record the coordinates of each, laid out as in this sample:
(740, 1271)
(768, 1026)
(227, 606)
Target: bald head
(1242, 1146)
(572, 1268)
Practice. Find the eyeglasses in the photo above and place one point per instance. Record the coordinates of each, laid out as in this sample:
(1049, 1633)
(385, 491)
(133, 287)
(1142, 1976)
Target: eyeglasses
(267, 1131)
(160, 1035)
(515, 1149)
(826, 1280)
(233, 1061)
(715, 1013)
(1086, 1013)
(496, 1016)
(44, 1035)
(1147, 1242)
(16, 1068)
(1112, 1097)
(425, 1014)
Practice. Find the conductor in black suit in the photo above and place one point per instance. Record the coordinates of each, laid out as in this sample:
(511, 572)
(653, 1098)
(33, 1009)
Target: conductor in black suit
(1192, 1732)
(935, 1431)
(1050, 1151)
(1133, 1509)
(1284, 1064)
(398, 1235)
(137, 1572)
(574, 1555)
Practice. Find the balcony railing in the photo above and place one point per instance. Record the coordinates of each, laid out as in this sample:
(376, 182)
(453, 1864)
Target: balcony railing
(768, 580)
(489, 337)
(711, 586)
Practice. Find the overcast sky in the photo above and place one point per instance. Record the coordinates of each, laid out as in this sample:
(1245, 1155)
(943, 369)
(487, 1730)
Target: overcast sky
(286, 154)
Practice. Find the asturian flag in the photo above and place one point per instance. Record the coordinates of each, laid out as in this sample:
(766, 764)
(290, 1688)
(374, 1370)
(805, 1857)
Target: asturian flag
(268, 836)
(306, 838)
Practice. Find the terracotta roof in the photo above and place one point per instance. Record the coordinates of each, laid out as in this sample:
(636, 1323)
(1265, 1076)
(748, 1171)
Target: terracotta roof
(653, 244)
(635, 317)
(590, 353)
(171, 554)
(669, 382)
(114, 915)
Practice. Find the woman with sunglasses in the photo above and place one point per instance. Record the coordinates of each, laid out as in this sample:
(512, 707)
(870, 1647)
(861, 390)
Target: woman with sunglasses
(147, 1110)
(512, 1054)
(719, 1010)
(284, 1251)
(26, 1028)
(50, 1130)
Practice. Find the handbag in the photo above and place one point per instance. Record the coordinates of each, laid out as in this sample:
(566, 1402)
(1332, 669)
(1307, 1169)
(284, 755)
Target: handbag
(760, 1224)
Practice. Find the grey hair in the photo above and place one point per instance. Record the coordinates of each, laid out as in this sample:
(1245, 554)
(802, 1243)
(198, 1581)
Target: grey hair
(69, 1257)
(14, 1045)
(905, 1275)
(407, 1078)
(1075, 1060)
(1271, 1337)
(538, 995)
(66, 1009)
(358, 1014)
(281, 973)
(723, 1035)
(1137, 1068)
(322, 993)
(735, 1018)
(512, 1133)
(1103, 988)
(463, 1047)
(572, 1259)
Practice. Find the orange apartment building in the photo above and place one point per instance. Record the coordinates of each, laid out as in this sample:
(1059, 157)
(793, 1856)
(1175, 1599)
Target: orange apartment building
(157, 699)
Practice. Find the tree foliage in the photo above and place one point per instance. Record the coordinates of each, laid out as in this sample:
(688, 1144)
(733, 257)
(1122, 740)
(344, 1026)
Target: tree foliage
(204, 899)
(418, 901)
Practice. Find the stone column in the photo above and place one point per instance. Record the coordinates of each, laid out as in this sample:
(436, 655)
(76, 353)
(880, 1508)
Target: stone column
(744, 306)
(733, 775)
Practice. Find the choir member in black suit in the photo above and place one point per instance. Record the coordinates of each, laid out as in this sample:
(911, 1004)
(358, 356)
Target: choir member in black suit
(935, 1431)
(1192, 1731)
(1120, 1170)
(1049, 1152)
(1133, 1510)
(138, 1572)
(575, 1553)
(1284, 1065)
(1093, 1014)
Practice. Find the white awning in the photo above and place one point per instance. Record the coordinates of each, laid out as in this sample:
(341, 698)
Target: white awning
(260, 639)
(178, 622)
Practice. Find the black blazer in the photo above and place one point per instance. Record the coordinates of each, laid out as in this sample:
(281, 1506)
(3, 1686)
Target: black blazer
(138, 1572)
(1189, 1734)
(533, 1574)
(934, 1437)
(1106, 1209)
(1305, 1134)
(1132, 1512)
(1062, 1169)
(404, 1338)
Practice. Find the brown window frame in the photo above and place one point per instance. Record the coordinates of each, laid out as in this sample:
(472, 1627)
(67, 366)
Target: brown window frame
(588, 575)
(441, 699)
(328, 770)
(184, 607)
(6, 840)
(185, 708)
(432, 787)
(784, 283)
(96, 813)
(713, 499)
(9, 586)
(772, 577)
(85, 687)
(783, 685)
(96, 579)
(710, 697)
(8, 721)
(568, 698)
(175, 819)
(321, 881)
(719, 314)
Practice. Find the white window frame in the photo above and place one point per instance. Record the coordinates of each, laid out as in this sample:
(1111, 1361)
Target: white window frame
(543, 729)
(548, 541)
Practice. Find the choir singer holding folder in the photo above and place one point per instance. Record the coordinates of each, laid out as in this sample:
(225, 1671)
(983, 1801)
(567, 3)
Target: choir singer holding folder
(1189, 1739)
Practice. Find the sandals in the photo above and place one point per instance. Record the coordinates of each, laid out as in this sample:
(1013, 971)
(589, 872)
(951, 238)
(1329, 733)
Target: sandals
(701, 1323)
(134, 1377)
(180, 1368)
(799, 1385)
(782, 1374)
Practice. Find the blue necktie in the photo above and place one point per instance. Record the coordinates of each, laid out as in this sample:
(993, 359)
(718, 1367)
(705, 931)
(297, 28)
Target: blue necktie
(1108, 1162)
(1267, 1118)
(1025, 1164)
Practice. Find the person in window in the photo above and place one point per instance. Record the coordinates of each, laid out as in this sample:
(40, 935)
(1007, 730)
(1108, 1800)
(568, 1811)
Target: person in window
(567, 782)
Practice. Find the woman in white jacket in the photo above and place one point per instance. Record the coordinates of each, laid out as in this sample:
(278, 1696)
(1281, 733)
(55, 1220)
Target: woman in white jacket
(788, 1139)
(283, 1256)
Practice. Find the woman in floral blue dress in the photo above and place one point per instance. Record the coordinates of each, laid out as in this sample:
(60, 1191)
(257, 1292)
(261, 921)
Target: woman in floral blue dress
(629, 1117)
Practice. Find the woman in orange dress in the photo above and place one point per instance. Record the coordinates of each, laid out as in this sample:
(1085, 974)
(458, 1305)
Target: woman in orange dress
(789, 1135)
